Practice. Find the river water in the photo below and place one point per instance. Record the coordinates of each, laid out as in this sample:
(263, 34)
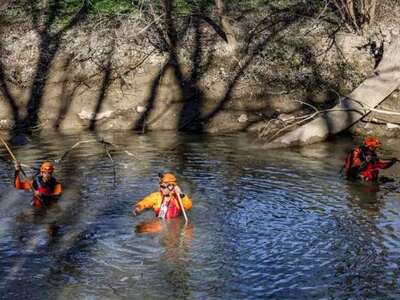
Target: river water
(266, 224)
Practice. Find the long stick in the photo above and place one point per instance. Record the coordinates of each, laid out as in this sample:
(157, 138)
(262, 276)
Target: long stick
(11, 154)
(8, 149)
(181, 204)
(15, 160)
(91, 141)
(70, 149)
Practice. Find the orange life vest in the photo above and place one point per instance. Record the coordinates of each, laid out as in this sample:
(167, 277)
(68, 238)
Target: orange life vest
(364, 164)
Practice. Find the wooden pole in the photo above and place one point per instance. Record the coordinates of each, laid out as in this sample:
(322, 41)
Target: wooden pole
(181, 204)
(8, 148)
(15, 160)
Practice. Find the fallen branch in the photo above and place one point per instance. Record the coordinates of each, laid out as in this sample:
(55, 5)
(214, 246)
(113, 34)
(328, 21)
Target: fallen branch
(370, 93)
(73, 147)
(297, 121)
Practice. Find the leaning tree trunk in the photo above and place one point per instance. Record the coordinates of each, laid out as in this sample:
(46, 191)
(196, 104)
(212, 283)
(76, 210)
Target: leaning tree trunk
(352, 108)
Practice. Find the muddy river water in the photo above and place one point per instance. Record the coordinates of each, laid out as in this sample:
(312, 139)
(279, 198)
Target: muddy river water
(266, 224)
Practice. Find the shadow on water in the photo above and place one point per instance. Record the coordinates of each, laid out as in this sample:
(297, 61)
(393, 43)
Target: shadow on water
(363, 251)
(175, 240)
(66, 235)
(282, 219)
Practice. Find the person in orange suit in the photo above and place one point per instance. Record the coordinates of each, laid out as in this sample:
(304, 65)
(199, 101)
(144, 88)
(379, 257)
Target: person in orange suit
(44, 186)
(165, 203)
(363, 162)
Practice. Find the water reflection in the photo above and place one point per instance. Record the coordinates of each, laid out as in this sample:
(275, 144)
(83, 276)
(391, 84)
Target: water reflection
(175, 238)
(278, 224)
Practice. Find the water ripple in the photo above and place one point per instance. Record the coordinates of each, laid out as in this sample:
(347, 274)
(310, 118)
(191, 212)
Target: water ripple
(265, 225)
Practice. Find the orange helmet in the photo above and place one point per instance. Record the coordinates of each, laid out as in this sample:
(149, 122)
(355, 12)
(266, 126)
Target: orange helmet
(371, 142)
(168, 178)
(47, 167)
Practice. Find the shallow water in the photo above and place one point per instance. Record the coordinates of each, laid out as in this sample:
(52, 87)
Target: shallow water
(276, 224)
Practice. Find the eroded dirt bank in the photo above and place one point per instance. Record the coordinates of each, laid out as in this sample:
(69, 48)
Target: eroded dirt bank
(119, 74)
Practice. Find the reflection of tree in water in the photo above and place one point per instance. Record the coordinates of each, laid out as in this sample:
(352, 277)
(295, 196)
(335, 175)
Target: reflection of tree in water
(175, 239)
(59, 251)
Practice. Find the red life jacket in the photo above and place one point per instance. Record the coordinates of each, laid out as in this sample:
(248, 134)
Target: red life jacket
(46, 189)
(172, 207)
(352, 163)
(37, 203)
(370, 173)
(364, 164)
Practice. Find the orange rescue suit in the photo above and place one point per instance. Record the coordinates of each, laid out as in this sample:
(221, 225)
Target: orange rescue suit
(48, 190)
(365, 164)
(155, 201)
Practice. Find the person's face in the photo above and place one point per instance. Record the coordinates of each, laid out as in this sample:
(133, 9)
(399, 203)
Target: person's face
(46, 175)
(166, 189)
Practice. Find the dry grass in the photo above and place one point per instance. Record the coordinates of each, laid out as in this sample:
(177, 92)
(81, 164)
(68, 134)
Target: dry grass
(388, 12)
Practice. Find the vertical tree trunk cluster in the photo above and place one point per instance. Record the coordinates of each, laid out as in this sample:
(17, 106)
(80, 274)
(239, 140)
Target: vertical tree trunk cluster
(357, 14)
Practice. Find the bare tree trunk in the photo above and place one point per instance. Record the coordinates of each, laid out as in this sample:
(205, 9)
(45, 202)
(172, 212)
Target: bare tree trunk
(369, 94)
(342, 13)
(170, 32)
(226, 25)
(352, 14)
(358, 14)
(371, 11)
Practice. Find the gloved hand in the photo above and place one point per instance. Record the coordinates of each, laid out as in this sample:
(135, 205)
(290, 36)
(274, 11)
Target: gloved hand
(136, 210)
(394, 159)
(178, 191)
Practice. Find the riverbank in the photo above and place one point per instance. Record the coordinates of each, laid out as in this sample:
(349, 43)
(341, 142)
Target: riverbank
(118, 72)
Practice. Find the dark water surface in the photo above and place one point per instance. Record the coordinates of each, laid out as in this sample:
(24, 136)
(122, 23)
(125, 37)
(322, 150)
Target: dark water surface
(266, 224)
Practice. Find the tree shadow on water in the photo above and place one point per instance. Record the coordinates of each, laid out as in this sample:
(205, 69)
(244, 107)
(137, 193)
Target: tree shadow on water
(66, 252)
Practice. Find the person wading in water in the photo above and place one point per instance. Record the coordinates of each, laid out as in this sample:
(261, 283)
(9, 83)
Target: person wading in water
(167, 202)
(363, 162)
(46, 190)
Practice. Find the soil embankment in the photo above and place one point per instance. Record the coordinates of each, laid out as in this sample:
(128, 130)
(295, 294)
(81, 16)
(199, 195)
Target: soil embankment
(119, 73)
